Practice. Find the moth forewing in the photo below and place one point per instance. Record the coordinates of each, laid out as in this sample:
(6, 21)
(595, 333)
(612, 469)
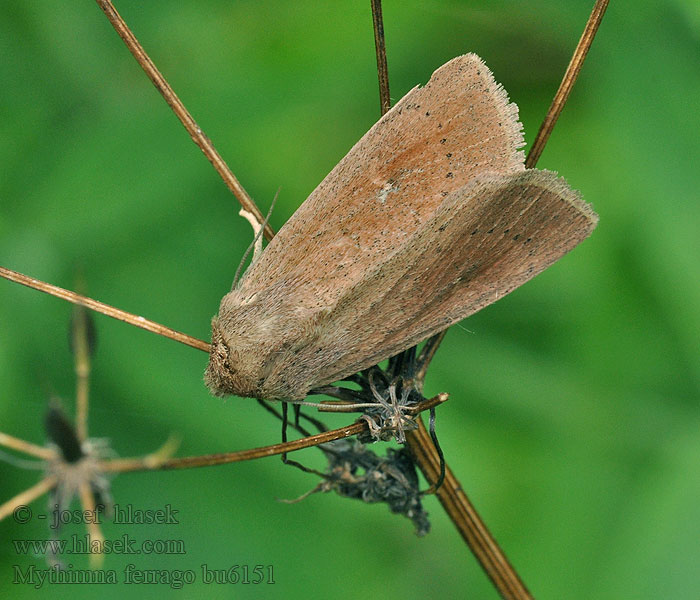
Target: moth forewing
(430, 217)
(483, 242)
(432, 142)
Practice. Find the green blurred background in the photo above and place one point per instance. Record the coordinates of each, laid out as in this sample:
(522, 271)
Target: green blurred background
(573, 419)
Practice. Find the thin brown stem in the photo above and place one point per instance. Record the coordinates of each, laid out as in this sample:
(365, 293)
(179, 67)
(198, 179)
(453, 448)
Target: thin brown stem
(559, 100)
(465, 517)
(27, 447)
(208, 460)
(380, 48)
(567, 82)
(95, 536)
(105, 309)
(27, 496)
(81, 352)
(182, 113)
(452, 497)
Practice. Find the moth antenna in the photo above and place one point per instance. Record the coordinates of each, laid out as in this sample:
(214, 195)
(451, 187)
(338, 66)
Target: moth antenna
(258, 230)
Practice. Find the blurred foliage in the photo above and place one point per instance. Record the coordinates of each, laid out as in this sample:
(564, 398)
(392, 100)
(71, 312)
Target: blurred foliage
(573, 419)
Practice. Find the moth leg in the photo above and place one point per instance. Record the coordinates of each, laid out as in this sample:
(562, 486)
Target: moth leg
(285, 423)
(433, 436)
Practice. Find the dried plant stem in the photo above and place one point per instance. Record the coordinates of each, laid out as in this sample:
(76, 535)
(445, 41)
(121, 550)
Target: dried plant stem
(380, 47)
(208, 460)
(82, 371)
(147, 463)
(451, 495)
(82, 386)
(95, 535)
(27, 496)
(105, 309)
(466, 519)
(27, 447)
(567, 82)
(558, 102)
(157, 462)
(182, 113)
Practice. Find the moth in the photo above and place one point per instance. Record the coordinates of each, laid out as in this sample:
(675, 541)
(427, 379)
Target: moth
(430, 217)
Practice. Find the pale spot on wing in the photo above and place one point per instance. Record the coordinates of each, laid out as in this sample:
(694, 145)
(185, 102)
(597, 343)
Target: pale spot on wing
(389, 187)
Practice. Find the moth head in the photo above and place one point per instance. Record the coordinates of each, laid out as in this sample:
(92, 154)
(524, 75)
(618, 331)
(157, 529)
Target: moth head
(230, 370)
(255, 347)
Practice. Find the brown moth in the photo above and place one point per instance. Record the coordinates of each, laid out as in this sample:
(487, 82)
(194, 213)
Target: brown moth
(430, 217)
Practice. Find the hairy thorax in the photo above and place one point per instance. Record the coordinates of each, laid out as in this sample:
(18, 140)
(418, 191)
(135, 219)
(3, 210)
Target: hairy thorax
(256, 347)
